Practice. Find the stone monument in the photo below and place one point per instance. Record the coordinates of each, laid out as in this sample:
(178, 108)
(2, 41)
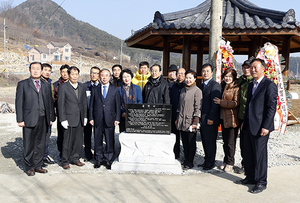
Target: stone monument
(147, 145)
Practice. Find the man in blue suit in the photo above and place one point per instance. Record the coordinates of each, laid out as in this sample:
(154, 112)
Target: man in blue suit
(104, 115)
(258, 123)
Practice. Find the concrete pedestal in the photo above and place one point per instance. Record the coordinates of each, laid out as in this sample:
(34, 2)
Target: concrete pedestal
(147, 153)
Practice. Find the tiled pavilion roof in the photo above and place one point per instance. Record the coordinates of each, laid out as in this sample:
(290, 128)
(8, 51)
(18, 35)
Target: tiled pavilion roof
(237, 14)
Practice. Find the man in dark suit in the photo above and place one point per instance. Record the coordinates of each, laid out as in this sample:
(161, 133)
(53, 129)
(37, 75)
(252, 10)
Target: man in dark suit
(210, 116)
(64, 77)
(258, 123)
(46, 73)
(35, 113)
(175, 90)
(104, 114)
(72, 105)
(94, 73)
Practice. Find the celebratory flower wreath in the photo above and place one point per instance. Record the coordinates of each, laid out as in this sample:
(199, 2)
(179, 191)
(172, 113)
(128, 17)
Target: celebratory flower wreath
(269, 53)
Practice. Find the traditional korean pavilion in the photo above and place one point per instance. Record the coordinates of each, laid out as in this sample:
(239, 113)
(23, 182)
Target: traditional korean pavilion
(245, 25)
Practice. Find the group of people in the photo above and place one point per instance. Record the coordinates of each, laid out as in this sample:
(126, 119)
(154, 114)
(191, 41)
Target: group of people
(247, 103)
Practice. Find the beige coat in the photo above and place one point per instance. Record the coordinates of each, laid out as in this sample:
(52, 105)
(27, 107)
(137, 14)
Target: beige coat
(229, 103)
(189, 107)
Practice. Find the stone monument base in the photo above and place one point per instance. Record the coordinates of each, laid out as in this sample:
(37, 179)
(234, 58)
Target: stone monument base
(147, 153)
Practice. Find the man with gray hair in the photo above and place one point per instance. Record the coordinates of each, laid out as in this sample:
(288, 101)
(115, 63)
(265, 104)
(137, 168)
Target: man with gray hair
(156, 90)
(104, 115)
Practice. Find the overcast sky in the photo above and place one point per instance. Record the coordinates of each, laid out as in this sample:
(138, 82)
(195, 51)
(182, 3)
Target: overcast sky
(118, 17)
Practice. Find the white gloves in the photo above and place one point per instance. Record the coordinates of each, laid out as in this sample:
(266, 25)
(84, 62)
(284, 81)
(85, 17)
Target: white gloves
(65, 124)
(191, 127)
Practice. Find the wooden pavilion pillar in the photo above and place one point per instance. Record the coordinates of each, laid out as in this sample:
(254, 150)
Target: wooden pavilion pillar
(256, 42)
(199, 57)
(166, 56)
(199, 62)
(286, 48)
(186, 52)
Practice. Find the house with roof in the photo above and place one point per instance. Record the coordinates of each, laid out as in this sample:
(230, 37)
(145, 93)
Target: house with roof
(55, 52)
(124, 57)
(64, 48)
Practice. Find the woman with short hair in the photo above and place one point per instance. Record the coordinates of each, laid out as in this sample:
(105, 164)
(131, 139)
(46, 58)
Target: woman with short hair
(130, 94)
(188, 114)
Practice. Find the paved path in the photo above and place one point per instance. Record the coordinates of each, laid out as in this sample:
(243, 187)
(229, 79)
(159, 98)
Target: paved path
(86, 184)
(125, 187)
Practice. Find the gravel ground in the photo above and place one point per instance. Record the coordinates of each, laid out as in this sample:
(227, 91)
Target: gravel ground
(295, 102)
(284, 150)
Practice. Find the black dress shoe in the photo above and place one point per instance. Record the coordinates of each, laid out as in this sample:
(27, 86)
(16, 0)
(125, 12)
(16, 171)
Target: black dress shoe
(244, 182)
(44, 165)
(97, 164)
(258, 188)
(202, 165)
(107, 165)
(30, 172)
(48, 160)
(87, 159)
(206, 168)
(188, 165)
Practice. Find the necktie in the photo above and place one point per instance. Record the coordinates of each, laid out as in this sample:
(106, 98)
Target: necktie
(254, 87)
(37, 85)
(104, 91)
(127, 90)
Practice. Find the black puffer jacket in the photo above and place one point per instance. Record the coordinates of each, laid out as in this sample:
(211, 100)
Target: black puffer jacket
(156, 91)
(117, 82)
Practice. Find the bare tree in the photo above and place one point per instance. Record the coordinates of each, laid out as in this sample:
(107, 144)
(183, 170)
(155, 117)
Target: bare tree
(36, 33)
(6, 5)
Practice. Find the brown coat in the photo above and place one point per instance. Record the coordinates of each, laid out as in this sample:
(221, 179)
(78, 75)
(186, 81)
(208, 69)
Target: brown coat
(229, 103)
(189, 107)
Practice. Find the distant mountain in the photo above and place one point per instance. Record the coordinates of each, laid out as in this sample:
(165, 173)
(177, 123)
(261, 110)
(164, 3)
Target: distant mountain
(35, 14)
(41, 21)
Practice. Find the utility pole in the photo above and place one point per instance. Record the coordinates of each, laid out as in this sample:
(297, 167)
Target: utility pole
(121, 56)
(49, 56)
(215, 33)
(4, 57)
(297, 71)
(80, 63)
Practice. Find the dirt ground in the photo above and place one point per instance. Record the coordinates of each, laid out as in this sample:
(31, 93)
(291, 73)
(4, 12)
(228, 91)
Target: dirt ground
(8, 94)
(295, 102)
